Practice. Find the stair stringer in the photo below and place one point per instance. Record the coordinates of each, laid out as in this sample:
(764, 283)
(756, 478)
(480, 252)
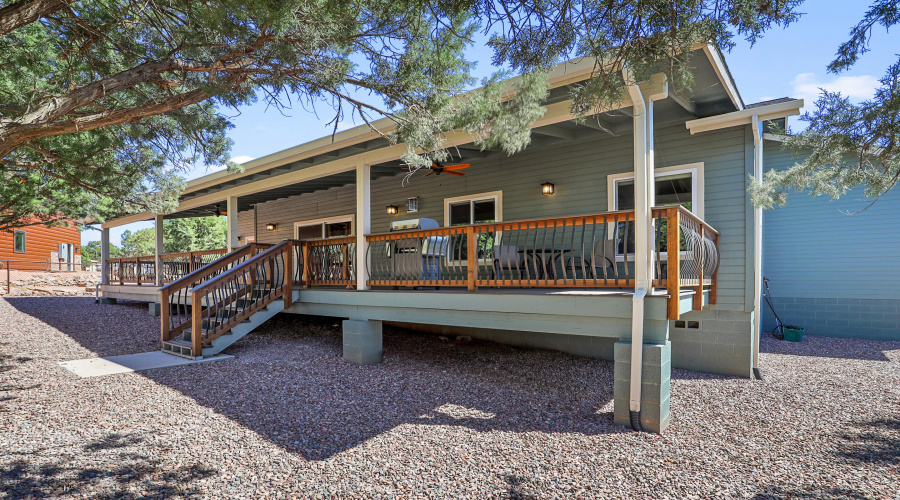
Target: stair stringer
(241, 330)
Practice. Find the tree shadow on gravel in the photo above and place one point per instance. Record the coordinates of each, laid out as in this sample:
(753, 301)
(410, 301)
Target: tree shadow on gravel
(831, 347)
(104, 329)
(874, 442)
(289, 383)
(809, 491)
(9, 362)
(133, 476)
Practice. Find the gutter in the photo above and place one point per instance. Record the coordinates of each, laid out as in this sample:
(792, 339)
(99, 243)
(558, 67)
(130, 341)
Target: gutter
(757, 248)
(642, 277)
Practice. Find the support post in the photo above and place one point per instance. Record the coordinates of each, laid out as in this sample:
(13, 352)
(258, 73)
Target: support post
(231, 209)
(698, 257)
(655, 385)
(472, 240)
(673, 267)
(164, 312)
(757, 245)
(158, 226)
(104, 256)
(196, 325)
(305, 273)
(642, 97)
(362, 341)
(363, 224)
(289, 275)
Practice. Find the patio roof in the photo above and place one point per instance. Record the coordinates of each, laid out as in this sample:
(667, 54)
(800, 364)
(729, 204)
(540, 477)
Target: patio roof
(713, 93)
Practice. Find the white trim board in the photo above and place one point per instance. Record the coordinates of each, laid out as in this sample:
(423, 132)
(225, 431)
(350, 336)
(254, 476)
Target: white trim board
(698, 195)
(745, 117)
(495, 195)
(325, 220)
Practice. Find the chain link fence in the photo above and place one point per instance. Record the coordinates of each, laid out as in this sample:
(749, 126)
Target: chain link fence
(28, 278)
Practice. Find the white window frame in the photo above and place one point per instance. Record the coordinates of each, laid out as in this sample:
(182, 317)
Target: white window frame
(697, 182)
(497, 196)
(24, 241)
(697, 191)
(328, 220)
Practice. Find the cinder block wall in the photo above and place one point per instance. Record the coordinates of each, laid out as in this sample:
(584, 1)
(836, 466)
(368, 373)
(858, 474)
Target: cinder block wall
(720, 343)
(874, 319)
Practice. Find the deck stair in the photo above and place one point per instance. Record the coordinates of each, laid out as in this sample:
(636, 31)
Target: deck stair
(182, 346)
(217, 305)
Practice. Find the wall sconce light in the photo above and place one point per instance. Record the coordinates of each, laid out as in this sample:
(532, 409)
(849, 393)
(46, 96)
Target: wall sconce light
(547, 189)
(270, 226)
(392, 210)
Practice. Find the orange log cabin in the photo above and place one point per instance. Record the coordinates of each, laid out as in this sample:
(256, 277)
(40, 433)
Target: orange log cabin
(60, 246)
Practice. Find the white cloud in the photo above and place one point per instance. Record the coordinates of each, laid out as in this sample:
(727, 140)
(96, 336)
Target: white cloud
(808, 86)
(242, 159)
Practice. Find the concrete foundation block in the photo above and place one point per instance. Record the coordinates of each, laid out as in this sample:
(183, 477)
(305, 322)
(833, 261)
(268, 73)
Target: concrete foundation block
(362, 341)
(656, 375)
(154, 308)
(106, 300)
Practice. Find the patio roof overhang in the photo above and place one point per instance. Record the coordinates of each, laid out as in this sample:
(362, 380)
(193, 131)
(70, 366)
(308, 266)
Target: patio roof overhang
(330, 161)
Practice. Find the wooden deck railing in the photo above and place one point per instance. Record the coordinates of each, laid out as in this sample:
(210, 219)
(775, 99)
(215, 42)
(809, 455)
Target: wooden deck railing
(142, 270)
(589, 251)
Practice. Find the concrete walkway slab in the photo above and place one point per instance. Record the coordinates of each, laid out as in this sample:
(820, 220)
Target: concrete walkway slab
(98, 367)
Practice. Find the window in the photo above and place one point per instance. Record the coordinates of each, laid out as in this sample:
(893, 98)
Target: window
(679, 185)
(475, 209)
(324, 228)
(19, 242)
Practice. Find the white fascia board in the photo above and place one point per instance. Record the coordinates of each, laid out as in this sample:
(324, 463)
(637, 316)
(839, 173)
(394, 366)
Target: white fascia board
(775, 137)
(718, 64)
(745, 117)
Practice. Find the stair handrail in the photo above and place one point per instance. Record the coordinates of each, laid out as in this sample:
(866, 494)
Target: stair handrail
(201, 275)
(199, 291)
(218, 263)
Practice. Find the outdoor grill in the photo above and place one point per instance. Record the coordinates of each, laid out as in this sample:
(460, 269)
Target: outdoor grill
(416, 257)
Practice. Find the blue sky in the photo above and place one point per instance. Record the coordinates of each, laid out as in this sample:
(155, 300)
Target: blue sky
(784, 63)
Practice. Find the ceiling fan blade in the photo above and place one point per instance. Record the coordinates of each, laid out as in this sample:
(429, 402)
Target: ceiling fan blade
(429, 173)
(457, 167)
(450, 172)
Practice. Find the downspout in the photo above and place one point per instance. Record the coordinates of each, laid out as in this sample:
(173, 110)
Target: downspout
(642, 247)
(757, 249)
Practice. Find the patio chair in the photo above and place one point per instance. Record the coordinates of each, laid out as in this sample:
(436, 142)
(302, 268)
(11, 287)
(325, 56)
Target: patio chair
(604, 262)
(507, 258)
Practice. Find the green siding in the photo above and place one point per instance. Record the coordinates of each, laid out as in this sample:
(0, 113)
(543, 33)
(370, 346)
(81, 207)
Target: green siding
(833, 265)
(578, 168)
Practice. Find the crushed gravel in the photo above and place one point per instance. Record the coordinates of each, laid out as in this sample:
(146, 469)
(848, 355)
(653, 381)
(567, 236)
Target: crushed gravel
(289, 418)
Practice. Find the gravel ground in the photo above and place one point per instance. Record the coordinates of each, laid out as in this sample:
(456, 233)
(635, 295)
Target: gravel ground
(289, 418)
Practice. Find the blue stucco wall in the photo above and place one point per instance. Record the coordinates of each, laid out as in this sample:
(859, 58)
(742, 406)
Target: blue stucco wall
(833, 266)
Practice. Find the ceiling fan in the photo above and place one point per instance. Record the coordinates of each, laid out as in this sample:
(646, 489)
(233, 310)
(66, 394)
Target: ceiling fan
(438, 169)
(217, 213)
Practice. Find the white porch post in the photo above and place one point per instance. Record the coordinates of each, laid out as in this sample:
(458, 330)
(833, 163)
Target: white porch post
(363, 223)
(158, 226)
(757, 244)
(104, 256)
(231, 208)
(643, 97)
